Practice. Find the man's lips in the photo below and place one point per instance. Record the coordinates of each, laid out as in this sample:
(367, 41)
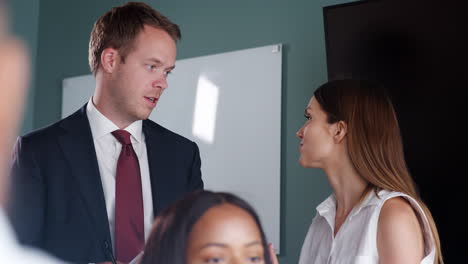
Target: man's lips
(152, 99)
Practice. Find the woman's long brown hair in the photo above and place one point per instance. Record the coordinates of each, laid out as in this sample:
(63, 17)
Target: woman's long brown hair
(374, 142)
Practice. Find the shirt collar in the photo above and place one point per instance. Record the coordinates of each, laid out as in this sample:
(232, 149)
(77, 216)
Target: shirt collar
(327, 208)
(136, 130)
(102, 126)
(371, 199)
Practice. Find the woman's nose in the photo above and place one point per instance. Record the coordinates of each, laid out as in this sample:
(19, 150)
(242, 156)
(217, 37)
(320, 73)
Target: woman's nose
(299, 133)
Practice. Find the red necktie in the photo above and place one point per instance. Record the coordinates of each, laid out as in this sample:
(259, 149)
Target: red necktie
(129, 226)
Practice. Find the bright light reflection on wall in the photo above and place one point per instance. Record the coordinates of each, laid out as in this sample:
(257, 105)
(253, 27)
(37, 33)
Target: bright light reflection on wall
(206, 103)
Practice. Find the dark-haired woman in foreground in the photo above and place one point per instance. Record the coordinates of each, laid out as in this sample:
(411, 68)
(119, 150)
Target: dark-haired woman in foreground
(375, 214)
(208, 227)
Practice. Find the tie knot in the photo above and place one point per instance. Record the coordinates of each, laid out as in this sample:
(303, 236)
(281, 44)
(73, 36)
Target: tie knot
(122, 136)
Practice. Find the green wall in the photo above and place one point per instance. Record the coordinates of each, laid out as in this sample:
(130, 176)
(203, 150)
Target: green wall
(211, 26)
(64, 32)
(24, 21)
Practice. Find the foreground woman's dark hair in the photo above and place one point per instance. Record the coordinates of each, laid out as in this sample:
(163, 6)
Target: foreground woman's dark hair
(167, 242)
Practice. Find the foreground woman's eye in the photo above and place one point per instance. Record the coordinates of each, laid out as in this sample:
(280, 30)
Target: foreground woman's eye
(213, 260)
(256, 259)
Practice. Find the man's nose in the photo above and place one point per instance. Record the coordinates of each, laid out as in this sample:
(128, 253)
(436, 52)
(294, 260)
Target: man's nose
(160, 82)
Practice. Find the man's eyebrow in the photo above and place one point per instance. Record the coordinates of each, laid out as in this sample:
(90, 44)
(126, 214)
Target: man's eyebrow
(157, 61)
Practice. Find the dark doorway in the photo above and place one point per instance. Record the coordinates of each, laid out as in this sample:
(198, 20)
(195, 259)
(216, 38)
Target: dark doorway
(419, 50)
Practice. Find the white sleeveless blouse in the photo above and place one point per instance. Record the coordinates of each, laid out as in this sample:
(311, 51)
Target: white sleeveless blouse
(356, 241)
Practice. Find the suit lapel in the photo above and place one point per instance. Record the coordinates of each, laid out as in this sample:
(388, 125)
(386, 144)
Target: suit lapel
(78, 147)
(160, 164)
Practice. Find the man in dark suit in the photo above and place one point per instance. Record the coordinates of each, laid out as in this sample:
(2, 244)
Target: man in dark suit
(87, 188)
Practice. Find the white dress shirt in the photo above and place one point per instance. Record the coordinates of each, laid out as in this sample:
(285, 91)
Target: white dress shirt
(13, 253)
(107, 152)
(356, 241)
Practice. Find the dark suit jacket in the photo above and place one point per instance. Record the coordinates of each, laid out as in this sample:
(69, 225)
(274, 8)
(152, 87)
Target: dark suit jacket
(57, 201)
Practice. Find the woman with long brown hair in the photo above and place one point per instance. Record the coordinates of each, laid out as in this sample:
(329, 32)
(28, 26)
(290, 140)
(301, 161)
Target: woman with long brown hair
(375, 214)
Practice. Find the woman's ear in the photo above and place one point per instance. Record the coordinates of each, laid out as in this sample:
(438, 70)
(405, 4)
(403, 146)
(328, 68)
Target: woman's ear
(340, 129)
(109, 59)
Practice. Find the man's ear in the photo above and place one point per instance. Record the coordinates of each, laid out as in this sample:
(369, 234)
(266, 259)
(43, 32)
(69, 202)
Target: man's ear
(109, 59)
(340, 129)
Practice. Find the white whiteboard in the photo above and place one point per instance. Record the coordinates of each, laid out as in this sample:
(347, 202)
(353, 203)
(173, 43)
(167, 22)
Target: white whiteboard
(230, 105)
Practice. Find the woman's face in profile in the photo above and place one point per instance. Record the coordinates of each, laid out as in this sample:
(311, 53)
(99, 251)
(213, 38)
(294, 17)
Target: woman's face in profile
(316, 137)
(225, 234)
